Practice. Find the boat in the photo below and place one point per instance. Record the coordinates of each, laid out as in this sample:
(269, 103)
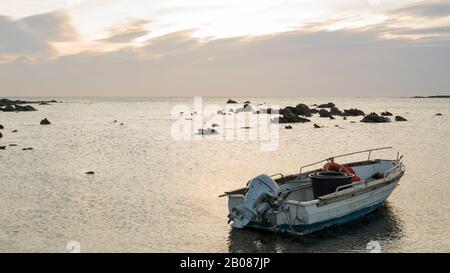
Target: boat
(310, 201)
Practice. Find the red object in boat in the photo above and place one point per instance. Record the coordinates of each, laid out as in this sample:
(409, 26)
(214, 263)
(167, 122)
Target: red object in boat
(331, 166)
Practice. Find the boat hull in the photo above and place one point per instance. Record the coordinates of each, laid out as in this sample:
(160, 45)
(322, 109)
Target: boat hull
(299, 219)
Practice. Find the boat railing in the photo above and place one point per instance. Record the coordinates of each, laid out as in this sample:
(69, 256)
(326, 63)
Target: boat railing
(396, 166)
(351, 185)
(331, 159)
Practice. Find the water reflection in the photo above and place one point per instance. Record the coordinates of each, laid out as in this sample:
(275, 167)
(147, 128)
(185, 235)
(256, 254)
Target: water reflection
(382, 225)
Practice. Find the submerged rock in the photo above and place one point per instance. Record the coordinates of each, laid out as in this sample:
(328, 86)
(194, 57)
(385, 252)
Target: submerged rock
(335, 111)
(375, 118)
(324, 113)
(26, 108)
(438, 114)
(27, 149)
(2, 127)
(45, 121)
(2, 147)
(14, 131)
(317, 126)
(326, 105)
(288, 127)
(1, 135)
(231, 101)
(303, 110)
(386, 114)
(353, 112)
(90, 172)
(400, 118)
(13, 145)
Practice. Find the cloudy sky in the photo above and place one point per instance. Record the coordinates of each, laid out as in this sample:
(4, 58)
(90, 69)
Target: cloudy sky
(224, 47)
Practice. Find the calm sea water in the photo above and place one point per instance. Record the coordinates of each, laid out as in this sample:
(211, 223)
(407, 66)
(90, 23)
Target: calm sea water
(152, 193)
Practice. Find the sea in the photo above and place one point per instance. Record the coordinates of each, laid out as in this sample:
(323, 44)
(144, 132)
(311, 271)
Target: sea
(156, 190)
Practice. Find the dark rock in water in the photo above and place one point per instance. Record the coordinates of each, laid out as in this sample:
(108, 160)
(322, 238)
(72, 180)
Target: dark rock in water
(215, 125)
(345, 118)
(246, 108)
(247, 102)
(27, 149)
(26, 108)
(90, 172)
(314, 111)
(14, 131)
(375, 118)
(386, 114)
(324, 113)
(353, 112)
(400, 118)
(45, 121)
(438, 114)
(13, 145)
(317, 126)
(326, 105)
(288, 127)
(44, 103)
(115, 121)
(2, 127)
(231, 101)
(352, 121)
(289, 117)
(331, 117)
(9, 108)
(1, 135)
(335, 111)
(246, 127)
(121, 124)
(2, 147)
(303, 110)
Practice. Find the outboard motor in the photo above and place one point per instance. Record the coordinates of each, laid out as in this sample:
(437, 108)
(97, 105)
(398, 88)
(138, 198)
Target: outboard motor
(258, 194)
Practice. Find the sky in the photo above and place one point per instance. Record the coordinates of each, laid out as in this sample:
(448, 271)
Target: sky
(225, 48)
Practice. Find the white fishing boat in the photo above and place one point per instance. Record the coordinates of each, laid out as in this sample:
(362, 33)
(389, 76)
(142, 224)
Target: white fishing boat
(309, 201)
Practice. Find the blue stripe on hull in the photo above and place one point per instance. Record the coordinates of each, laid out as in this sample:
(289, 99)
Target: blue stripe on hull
(305, 229)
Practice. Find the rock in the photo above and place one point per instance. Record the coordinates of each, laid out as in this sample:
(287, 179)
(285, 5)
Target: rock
(9, 108)
(115, 121)
(303, 110)
(317, 126)
(438, 114)
(215, 125)
(326, 105)
(1, 135)
(386, 114)
(14, 131)
(231, 101)
(314, 111)
(121, 124)
(26, 108)
(247, 102)
(2, 147)
(13, 145)
(2, 127)
(353, 112)
(352, 121)
(324, 113)
(246, 108)
(289, 117)
(375, 118)
(288, 127)
(331, 117)
(400, 118)
(27, 149)
(335, 111)
(45, 121)
(246, 127)
(345, 118)
(90, 172)
(44, 103)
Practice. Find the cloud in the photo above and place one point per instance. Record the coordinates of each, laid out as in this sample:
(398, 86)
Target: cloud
(426, 9)
(296, 63)
(126, 33)
(33, 35)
